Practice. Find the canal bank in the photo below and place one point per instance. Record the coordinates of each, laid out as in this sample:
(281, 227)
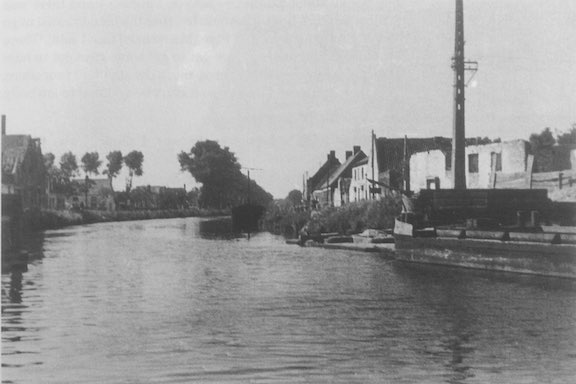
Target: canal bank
(46, 219)
(386, 250)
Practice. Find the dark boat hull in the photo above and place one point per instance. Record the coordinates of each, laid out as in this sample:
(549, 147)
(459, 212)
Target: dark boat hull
(537, 258)
(246, 218)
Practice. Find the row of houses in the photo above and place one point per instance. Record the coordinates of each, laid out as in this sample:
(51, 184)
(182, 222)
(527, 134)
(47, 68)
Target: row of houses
(413, 164)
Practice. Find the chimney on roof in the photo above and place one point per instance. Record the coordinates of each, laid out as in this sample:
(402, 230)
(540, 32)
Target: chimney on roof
(3, 125)
(348, 154)
(332, 155)
(356, 149)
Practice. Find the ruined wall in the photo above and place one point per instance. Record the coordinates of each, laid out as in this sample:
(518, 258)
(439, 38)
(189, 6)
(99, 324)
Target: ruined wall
(512, 155)
(429, 165)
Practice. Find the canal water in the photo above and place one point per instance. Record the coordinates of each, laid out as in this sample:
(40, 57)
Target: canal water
(185, 300)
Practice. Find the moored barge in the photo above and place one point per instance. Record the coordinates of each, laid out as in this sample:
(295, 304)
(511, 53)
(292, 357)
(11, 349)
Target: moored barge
(496, 230)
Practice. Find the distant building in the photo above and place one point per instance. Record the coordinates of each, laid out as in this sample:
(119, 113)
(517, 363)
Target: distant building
(100, 195)
(23, 170)
(341, 179)
(389, 170)
(359, 184)
(392, 157)
(317, 191)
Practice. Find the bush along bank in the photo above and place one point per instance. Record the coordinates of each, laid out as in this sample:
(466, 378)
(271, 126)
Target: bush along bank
(356, 217)
(52, 219)
(282, 218)
(348, 219)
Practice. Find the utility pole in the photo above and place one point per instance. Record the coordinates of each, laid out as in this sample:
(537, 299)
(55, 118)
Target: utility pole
(328, 183)
(248, 169)
(373, 186)
(405, 175)
(458, 132)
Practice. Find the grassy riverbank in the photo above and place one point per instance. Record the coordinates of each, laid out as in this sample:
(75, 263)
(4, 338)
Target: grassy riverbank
(351, 218)
(48, 219)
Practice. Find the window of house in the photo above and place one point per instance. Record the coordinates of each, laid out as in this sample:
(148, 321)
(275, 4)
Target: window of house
(496, 161)
(473, 163)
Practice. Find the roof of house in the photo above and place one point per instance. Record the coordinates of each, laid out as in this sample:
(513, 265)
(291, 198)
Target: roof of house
(345, 169)
(391, 151)
(14, 148)
(363, 161)
(152, 188)
(101, 184)
(318, 181)
(97, 185)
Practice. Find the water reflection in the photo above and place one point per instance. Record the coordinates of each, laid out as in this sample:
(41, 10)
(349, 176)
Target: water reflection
(15, 294)
(219, 229)
(475, 314)
(30, 251)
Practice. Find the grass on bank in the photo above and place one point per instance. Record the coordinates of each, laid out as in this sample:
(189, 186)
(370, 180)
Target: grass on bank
(347, 219)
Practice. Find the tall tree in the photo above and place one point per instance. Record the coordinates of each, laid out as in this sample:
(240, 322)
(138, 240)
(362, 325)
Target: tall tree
(544, 139)
(69, 165)
(91, 162)
(541, 145)
(54, 175)
(90, 165)
(60, 178)
(114, 164)
(568, 137)
(223, 184)
(216, 168)
(49, 160)
(133, 161)
(294, 197)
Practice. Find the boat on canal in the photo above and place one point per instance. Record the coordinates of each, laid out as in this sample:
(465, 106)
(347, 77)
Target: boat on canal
(246, 217)
(486, 229)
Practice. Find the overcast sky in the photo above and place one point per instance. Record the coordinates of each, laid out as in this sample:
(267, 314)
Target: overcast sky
(279, 82)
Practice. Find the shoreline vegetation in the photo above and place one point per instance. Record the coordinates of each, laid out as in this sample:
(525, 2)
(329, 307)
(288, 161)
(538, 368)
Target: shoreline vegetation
(280, 218)
(286, 219)
(55, 219)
